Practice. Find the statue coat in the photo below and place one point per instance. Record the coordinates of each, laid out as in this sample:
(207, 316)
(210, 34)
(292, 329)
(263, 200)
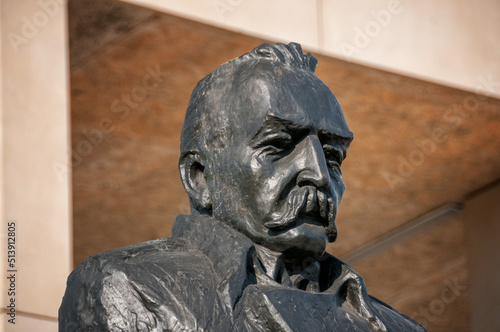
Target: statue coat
(207, 277)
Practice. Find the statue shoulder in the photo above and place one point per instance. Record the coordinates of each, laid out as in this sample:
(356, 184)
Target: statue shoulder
(141, 253)
(141, 287)
(134, 261)
(396, 319)
(347, 278)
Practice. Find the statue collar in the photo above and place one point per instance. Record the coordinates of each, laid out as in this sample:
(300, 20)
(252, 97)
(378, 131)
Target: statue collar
(232, 254)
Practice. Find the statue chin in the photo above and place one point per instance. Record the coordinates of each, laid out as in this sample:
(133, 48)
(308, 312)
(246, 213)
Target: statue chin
(304, 240)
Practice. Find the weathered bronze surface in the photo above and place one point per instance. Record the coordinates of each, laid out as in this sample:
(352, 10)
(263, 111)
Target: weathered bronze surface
(261, 150)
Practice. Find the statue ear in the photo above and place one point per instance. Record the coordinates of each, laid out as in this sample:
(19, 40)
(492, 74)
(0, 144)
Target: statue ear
(192, 170)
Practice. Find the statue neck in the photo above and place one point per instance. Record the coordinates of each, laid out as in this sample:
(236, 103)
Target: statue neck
(303, 275)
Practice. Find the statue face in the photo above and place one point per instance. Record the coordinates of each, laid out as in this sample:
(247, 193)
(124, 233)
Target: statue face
(277, 177)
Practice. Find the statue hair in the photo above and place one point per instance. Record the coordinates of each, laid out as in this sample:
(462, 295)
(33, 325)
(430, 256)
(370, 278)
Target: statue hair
(205, 120)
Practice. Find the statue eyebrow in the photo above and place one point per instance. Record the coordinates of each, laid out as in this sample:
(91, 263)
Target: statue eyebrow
(327, 136)
(273, 122)
(340, 149)
(270, 122)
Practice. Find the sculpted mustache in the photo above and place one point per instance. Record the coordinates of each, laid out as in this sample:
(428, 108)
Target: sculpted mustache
(303, 201)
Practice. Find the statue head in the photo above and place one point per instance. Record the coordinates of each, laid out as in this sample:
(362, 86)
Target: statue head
(261, 149)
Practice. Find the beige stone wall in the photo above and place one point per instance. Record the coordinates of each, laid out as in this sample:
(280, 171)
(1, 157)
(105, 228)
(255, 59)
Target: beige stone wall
(3, 237)
(35, 179)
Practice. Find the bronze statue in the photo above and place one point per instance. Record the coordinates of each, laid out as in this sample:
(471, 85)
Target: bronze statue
(261, 150)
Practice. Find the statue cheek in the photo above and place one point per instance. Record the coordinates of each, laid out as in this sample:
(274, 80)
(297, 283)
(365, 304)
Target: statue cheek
(337, 189)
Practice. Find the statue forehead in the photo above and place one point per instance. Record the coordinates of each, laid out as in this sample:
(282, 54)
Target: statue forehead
(291, 94)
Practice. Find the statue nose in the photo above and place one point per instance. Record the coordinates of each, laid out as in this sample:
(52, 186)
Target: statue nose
(314, 170)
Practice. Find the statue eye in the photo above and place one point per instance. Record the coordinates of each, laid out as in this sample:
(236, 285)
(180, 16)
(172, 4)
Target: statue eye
(333, 156)
(277, 143)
